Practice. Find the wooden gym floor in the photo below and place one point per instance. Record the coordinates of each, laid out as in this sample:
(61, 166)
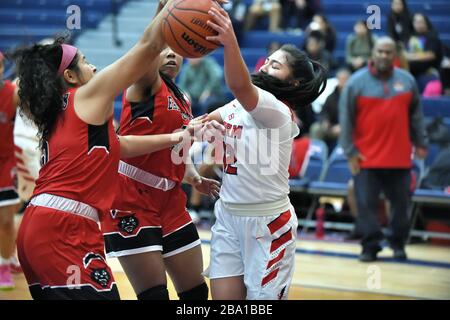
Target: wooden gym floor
(331, 270)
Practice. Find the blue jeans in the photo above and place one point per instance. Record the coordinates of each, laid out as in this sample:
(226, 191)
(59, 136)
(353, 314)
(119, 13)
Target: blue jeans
(395, 185)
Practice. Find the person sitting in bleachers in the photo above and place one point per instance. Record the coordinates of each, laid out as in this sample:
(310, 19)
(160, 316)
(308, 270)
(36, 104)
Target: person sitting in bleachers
(438, 177)
(315, 49)
(303, 10)
(444, 71)
(262, 8)
(328, 128)
(359, 46)
(320, 23)
(399, 24)
(424, 51)
(202, 79)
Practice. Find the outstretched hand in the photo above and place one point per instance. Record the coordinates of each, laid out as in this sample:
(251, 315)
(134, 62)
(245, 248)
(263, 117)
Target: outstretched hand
(221, 23)
(209, 187)
(204, 129)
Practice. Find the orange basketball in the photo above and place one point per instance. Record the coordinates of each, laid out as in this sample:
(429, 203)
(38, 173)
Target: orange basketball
(185, 28)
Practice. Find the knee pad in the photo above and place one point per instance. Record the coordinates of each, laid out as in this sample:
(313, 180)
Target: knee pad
(156, 293)
(199, 292)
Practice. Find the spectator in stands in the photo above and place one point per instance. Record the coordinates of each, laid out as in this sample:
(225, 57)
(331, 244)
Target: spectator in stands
(381, 118)
(328, 128)
(237, 11)
(271, 48)
(359, 46)
(445, 70)
(438, 177)
(315, 49)
(321, 23)
(202, 78)
(400, 60)
(424, 51)
(303, 10)
(261, 8)
(399, 24)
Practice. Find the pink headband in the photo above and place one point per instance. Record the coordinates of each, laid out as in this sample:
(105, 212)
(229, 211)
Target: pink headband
(69, 52)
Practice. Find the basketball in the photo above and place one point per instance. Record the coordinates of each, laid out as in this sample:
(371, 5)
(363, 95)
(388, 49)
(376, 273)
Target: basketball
(185, 28)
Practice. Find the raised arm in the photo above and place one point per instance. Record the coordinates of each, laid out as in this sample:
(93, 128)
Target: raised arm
(93, 101)
(237, 76)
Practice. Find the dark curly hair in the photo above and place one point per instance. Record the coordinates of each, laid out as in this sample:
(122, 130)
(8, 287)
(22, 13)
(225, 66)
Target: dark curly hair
(311, 77)
(40, 87)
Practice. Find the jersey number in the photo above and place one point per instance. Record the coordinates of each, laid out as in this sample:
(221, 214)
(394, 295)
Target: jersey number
(229, 159)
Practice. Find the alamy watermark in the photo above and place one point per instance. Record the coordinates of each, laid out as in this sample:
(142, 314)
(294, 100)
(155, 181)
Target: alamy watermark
(374, 20)
(374, 277)
(73, 21)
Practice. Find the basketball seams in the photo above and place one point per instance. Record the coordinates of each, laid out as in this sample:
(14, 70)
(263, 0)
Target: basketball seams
(187, 27)
(179, 30)
(192, 10)
(174, 38)
(176, 4)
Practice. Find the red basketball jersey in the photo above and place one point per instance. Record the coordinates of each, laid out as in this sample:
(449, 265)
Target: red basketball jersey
(7, 116)
(80, 161)
(161, 113)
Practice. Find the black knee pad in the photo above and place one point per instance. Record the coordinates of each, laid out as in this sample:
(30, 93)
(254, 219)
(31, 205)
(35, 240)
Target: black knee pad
(156, 293)
(199, 292)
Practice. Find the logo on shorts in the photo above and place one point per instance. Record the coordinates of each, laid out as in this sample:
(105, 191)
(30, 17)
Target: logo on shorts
(101, 276)
(128, 223)
(91, 256)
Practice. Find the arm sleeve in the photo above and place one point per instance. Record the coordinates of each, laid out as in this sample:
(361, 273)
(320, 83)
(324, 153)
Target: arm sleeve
(417, 129)
(271, 112)
(347, 113)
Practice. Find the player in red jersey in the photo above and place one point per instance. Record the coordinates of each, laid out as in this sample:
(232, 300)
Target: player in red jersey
(9, 199)
(60, 245)
(149, 228)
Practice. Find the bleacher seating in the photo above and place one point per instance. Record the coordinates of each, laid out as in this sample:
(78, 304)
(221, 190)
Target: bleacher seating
(24, 21)
(312, 167)
(28, 21)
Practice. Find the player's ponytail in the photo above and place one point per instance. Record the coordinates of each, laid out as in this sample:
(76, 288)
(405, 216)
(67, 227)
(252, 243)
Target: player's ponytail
(40, 86)
(308, 81)
(174, 88)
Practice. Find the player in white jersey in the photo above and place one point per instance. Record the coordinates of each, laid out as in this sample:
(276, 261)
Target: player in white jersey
(253, 239)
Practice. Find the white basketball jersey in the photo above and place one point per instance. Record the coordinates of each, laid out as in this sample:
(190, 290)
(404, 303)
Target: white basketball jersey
(257, 150)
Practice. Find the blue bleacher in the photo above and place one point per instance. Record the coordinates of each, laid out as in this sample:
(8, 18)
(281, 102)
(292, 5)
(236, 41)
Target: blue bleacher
(25, 21)
(436, 107)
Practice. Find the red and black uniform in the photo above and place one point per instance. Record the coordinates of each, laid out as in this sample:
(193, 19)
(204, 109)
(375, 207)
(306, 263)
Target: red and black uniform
(59, 243)
(149, 212)
(8, 173)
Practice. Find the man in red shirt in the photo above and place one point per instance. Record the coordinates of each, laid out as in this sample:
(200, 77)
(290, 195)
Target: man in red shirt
(381, 119)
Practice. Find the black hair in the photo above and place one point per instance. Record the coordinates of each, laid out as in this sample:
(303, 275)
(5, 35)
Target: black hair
(430, 26)
(174, 88)
(308, 81)
(327, 22)
(405, 7)
(369, 32)
(316, 35)
(41, 89)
